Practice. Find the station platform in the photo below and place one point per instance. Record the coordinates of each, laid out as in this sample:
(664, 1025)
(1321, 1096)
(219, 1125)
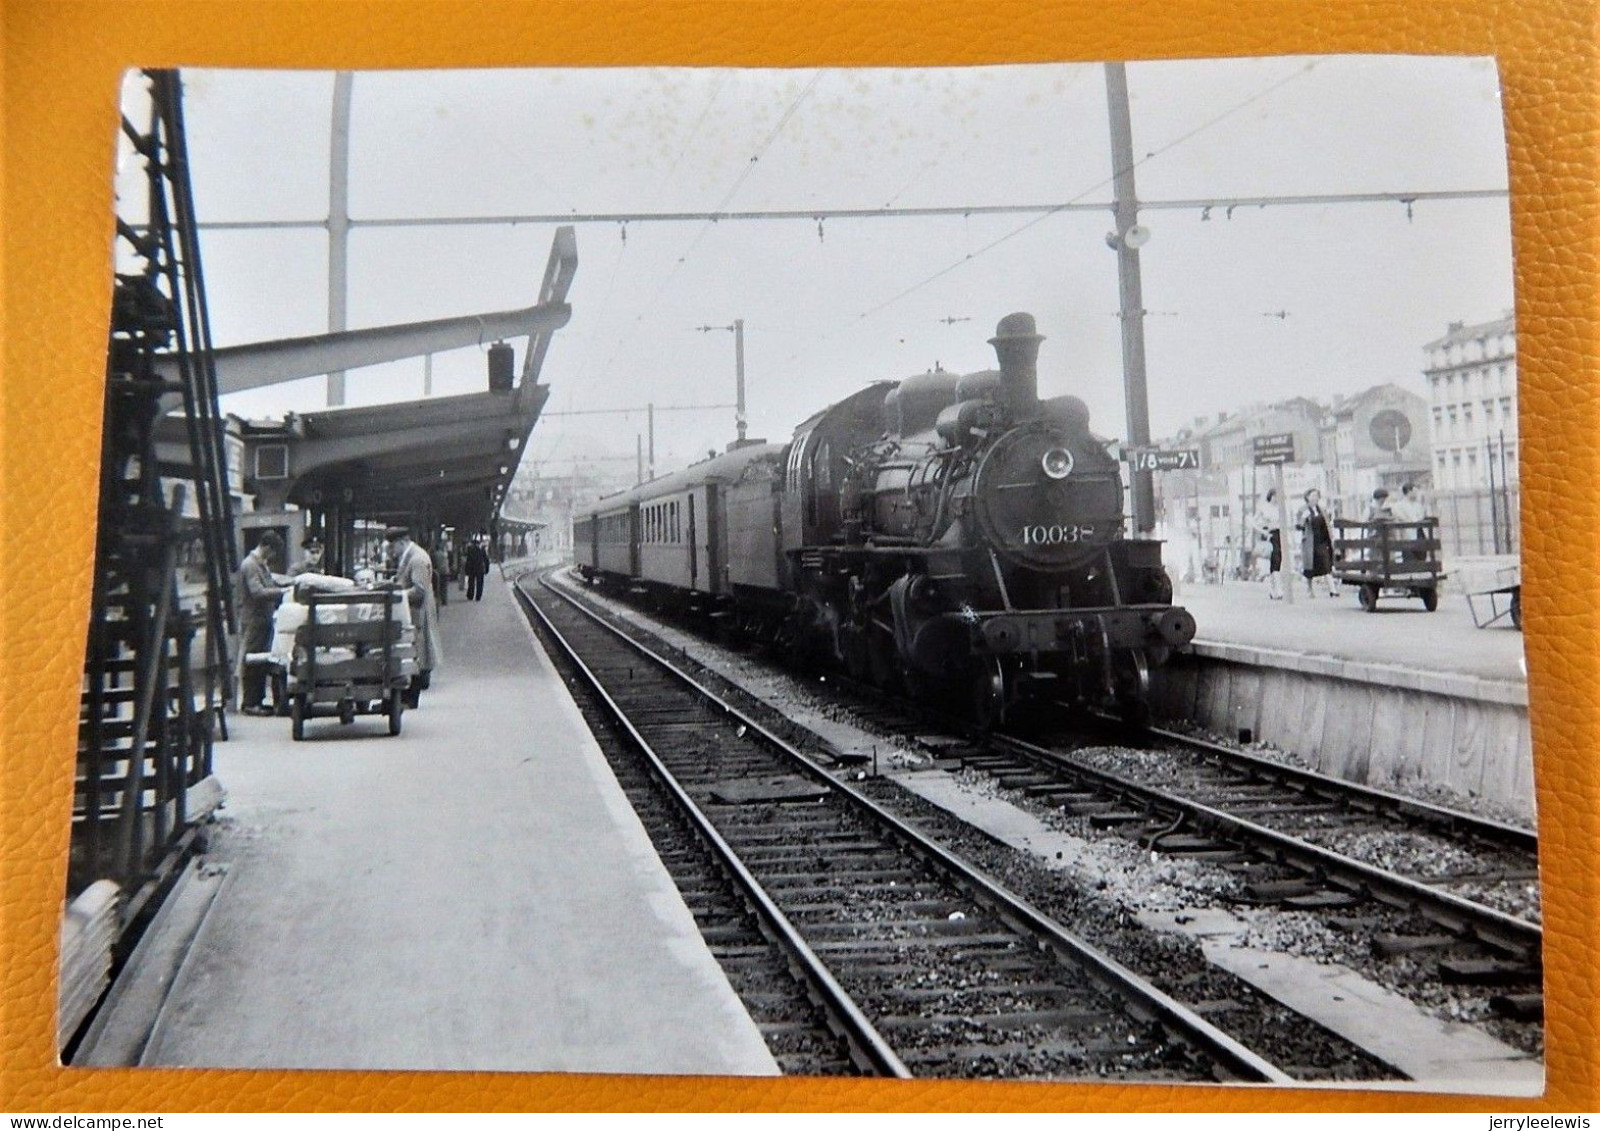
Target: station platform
(1399, 698)
(1399, 634)
(474, 894)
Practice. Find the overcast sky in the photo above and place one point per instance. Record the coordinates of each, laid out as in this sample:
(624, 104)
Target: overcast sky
(1269, 303)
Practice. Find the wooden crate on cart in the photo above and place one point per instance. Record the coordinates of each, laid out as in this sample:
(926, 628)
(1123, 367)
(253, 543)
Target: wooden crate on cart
(353, 656)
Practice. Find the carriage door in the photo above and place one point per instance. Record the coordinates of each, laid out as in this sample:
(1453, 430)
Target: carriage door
(694, 558)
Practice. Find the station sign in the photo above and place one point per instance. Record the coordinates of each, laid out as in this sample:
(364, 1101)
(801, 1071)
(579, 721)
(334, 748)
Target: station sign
(1161, 459)
(1278, 448)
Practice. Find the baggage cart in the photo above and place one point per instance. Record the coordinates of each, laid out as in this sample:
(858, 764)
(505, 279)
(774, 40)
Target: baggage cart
(1386, 557)
(350, 659)
(1500, 601)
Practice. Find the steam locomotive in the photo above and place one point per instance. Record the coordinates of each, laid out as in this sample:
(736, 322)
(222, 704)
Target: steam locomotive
(951, 533)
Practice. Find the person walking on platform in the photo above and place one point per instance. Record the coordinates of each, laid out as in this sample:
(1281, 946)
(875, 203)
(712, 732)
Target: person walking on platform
(1267, 531)
(441, 574)
(476, 566)
(1316, 542)
(413, 576)
(258, 597)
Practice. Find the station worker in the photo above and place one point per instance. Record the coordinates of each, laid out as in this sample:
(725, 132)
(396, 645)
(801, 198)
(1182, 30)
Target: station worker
(413, 576)
(259, 594)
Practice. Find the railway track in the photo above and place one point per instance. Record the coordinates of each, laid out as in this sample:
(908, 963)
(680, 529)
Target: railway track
(1278, 834)
(1295, 839)
(920, 965)
(1455, 895)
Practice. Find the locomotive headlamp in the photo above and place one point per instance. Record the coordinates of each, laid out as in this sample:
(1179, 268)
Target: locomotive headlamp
(1057, 463)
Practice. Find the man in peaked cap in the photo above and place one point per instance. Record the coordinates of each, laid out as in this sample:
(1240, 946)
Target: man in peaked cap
(413, 575)
(311, 548)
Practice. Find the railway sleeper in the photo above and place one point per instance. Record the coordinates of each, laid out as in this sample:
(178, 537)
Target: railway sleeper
(1112, 818)
(916, 930)
(805, 882)
(1032, 1052)
(831, 907)
(1286, 809)
(1272, 891)
(896, 947)
(1392, 946)
(825, 858)
(1486, 972)
(1321, 901)
(1057, 1020)
(1024, 782)
(1048, 991)
(1518, 1007)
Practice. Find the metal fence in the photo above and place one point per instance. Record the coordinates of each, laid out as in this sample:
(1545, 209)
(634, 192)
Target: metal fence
(1478, 522)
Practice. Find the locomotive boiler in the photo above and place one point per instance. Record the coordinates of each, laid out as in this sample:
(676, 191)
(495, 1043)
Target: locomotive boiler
(951, 532)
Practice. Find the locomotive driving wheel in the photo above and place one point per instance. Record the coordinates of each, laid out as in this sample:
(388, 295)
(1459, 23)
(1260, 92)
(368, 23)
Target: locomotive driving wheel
(990, 693)
(1131, 674)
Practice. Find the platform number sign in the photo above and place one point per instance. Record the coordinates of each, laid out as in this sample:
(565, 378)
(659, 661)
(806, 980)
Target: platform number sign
(1158, 459)
(1277, 448)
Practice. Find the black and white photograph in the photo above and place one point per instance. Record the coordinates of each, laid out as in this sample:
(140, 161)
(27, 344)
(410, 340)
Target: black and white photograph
(989, 573)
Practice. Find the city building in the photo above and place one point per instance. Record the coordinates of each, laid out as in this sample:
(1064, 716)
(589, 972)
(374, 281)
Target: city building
(1472, 381)
(1381, 438)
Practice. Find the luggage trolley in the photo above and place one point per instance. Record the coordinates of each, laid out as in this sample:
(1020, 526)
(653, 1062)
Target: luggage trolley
(352, 658)
(1389, 557)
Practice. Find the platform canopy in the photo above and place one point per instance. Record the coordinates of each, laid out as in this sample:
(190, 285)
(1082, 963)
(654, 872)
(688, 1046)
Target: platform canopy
(437, 461)
(445, 460)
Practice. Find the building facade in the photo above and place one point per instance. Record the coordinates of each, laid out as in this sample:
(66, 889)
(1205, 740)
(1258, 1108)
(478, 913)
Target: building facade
(1472, 382)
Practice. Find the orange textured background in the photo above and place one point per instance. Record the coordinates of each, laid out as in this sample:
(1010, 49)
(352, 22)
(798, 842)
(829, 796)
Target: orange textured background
(61, 70)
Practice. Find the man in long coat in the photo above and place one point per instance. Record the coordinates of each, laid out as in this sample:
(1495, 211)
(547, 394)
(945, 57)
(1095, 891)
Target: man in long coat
(413, 576)
(476, 566)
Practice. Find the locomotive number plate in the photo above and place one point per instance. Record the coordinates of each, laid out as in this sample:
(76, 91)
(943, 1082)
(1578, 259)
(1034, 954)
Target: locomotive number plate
(1039, 535)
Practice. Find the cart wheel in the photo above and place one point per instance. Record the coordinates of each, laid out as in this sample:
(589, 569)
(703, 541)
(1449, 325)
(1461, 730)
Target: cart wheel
(1430, 598)
(397, 707)
(1369, 597)
(297, 716)
(1516, 610)
(347, 712)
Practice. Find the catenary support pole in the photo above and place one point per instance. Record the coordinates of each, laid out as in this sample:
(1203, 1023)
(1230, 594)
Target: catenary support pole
(1132, 295)
(339, 221)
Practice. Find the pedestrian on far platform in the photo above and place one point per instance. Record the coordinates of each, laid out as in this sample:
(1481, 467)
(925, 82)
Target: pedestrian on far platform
(1266, 527)
(441, 573)
(1316, 543)
(476, 566)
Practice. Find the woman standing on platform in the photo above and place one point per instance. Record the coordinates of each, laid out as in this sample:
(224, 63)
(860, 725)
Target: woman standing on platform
(1267, 531)
(1316, 542)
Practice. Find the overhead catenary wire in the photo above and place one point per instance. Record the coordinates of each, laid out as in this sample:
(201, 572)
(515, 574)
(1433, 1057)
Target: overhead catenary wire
(811, 215)
(1115, 173)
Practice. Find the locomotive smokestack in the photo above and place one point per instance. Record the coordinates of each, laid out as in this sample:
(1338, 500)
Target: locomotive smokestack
(1017, 345)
